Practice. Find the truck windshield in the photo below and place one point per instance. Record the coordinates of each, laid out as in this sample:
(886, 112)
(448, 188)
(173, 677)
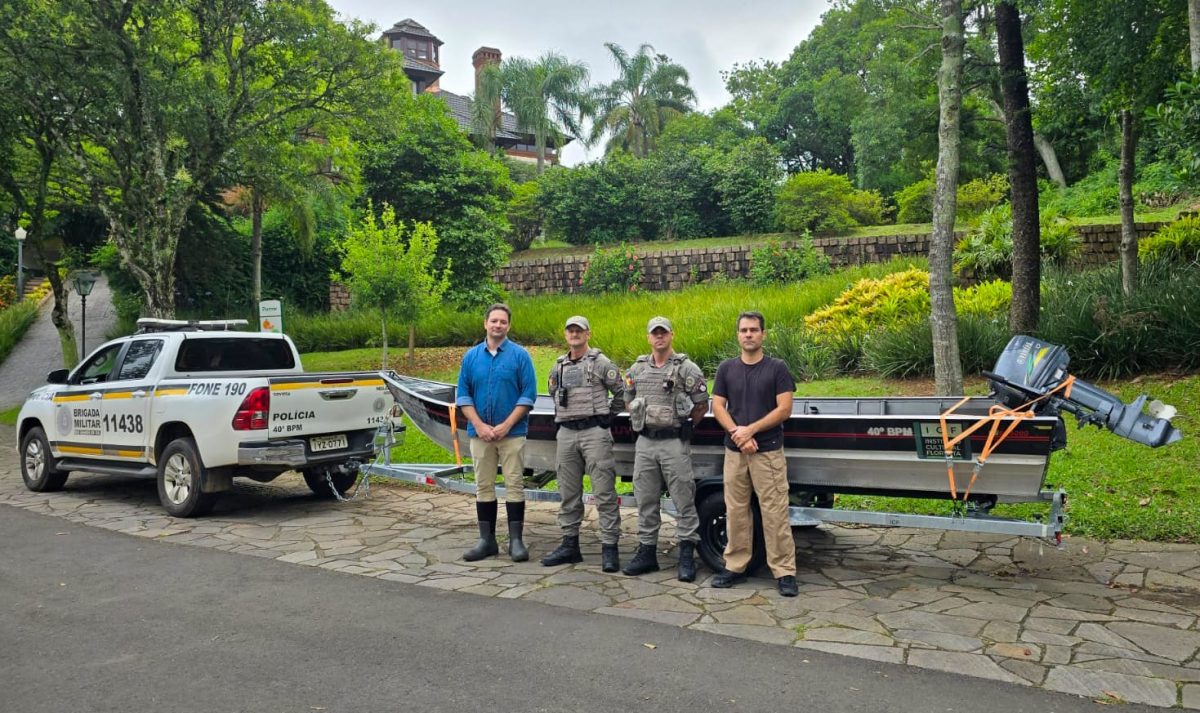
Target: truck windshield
(216, 354)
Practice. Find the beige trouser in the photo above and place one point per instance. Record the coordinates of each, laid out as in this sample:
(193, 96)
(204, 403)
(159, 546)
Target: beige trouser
(590, 451)
(506, 453)
(765, 475)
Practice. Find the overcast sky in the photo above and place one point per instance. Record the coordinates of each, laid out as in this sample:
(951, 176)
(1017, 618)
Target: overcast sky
(705, 36)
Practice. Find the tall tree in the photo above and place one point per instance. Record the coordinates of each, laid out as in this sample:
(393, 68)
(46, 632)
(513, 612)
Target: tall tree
(635, 107)
(947, 365)
(1126, 53)
(1022, 172)
(547, 95)
(1194, 33)
(185, 81)
(35, 126)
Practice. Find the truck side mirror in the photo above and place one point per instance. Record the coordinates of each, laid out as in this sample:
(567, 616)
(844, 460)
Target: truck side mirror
(58, 376)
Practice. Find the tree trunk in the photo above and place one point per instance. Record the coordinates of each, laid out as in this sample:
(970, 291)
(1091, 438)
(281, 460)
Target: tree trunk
(1194, 32)
(62, 322)
(541, 154)
(412, 346)
(1050, 159)
(1022, 173)
(256, 216)
(383, 321)
(947, 367)
(1129, 241)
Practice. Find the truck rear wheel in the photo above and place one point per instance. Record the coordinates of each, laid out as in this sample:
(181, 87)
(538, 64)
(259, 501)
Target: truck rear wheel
(180, 476)
(713, 538)
(314, 478)
(38, 467)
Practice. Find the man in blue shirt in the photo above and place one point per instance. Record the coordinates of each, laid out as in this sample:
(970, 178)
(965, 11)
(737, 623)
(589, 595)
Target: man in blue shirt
(496, 390)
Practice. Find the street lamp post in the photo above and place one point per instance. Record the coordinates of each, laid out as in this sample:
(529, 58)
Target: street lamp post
(83, 281)
(20, 234)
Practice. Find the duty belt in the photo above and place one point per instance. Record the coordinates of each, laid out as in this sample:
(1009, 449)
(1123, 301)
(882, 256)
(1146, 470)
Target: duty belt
(580, 424)
(661, 434)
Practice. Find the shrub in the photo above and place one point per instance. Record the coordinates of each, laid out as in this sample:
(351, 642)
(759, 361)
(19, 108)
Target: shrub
(870, 303)
(775, 263)
(1111, 335)
(806, 359)
(987, 299)
(525, 215)
(613, 270)
(907, 350)
(824, 201)
(915, 202)
(987, 250)
(1179, 241)
(980, 195)
(15, 320)
(8, 291)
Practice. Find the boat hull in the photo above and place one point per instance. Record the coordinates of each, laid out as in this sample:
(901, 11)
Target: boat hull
(883, 446)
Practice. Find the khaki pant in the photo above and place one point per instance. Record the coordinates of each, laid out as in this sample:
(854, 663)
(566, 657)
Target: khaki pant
(765, 475)
(506, 453)
(589, 450)
(655, 463)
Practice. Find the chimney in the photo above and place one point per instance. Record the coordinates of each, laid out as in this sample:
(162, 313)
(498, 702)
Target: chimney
(482, 58)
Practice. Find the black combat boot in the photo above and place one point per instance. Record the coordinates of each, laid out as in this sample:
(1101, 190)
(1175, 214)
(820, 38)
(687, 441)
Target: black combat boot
(687, 562)
(486, 547)
(566, 553)
(516, 531)
(645, 560)
(610, 558)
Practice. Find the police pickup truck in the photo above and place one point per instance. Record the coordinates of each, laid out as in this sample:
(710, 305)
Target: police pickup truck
(194, 407)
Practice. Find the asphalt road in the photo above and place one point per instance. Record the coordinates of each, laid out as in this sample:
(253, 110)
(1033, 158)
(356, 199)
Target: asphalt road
(92, 620)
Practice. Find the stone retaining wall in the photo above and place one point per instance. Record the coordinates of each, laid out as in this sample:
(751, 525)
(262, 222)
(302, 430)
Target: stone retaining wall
(673, 269)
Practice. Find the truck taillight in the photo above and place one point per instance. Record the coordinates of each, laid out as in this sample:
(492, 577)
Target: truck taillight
(252, 414)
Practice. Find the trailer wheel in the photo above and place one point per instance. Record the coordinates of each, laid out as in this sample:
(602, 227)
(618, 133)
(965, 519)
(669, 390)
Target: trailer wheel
(38, 467)
(711, 510)
(181, 475)
(343, 480)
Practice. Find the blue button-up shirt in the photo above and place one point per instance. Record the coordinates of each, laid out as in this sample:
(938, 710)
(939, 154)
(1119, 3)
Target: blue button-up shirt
(495, 385)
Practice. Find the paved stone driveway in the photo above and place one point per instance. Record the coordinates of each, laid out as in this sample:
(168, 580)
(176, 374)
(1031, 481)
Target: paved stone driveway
(1114, 621)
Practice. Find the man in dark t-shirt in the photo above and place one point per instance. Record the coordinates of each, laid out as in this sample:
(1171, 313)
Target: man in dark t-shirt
(752, 398)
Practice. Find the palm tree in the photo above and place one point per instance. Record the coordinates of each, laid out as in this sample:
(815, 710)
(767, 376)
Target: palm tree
(635, 107)
(548, 96)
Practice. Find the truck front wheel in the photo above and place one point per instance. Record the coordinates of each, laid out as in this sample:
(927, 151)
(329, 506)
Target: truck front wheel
(713, 537)
(180, 476)
(38, 468)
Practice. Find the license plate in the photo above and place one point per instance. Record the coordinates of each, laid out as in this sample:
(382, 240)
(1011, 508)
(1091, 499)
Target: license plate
(328, 443)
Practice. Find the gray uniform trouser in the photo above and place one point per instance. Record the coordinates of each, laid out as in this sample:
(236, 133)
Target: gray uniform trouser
(655, 463)
(589, 450)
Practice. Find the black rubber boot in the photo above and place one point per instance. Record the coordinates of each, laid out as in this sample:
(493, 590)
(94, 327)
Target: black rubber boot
(645, 560)
(486, 547)
(687, 562)
(516, 531)
(566, 553)
(610, 558)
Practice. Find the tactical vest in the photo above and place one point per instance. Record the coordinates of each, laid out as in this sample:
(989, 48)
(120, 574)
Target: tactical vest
(661, 389)
(581, 390)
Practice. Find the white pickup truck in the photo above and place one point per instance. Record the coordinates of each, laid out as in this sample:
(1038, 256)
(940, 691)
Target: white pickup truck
(195, 408)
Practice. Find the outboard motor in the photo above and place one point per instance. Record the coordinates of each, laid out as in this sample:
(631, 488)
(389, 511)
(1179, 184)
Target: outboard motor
(1029, 369)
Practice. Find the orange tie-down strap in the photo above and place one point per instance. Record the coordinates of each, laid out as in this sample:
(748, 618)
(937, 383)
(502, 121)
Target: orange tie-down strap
(454, 434)
(996, 414)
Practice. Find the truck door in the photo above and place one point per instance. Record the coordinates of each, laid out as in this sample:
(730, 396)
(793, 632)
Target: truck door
(126, 419)
(79, 408)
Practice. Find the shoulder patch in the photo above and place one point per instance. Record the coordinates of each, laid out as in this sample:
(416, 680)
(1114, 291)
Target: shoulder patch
(612, 374)
(690, 383)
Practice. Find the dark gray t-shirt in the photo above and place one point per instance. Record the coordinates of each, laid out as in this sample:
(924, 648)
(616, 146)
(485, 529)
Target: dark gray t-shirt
(751, 391)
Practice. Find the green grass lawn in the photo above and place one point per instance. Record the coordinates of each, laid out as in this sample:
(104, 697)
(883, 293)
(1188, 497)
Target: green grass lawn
(1116, 488)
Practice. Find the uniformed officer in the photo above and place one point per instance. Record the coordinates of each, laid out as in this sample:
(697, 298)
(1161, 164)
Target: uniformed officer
(666, 393)
(580, 383)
